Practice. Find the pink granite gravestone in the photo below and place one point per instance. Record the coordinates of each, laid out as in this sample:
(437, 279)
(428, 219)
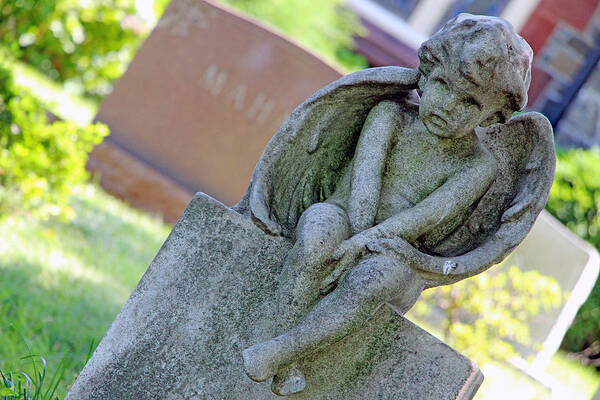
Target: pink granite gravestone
(197, 105)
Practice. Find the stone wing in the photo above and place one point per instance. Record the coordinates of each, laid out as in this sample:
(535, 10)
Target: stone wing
(524, 148)
(303, 162)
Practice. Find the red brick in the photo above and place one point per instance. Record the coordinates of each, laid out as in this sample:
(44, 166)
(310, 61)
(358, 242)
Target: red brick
(539, 81)
(537, 29)
(576, 13)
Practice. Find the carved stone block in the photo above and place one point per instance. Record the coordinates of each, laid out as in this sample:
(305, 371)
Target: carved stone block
(211, 292)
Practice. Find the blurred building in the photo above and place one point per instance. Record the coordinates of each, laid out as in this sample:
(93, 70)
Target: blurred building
(564, 35)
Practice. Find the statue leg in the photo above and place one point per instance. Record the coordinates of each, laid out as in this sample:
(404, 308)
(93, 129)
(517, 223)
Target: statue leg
(361, 292)
(321, 228)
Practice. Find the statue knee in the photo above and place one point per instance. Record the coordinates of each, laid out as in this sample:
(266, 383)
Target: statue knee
(320, 230)
(312, 245)
(325, 220)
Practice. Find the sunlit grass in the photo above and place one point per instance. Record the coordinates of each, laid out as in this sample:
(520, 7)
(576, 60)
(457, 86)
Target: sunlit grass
(568, 379)
(504, 382)
(62, 284)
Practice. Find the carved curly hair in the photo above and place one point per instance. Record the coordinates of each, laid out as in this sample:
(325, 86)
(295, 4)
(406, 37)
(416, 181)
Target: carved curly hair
(483, 50)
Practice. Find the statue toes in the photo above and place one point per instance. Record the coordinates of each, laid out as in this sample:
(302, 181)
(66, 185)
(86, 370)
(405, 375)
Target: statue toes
(288, 381)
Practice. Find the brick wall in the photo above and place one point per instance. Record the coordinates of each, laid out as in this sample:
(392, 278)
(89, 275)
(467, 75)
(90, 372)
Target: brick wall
(549, 17)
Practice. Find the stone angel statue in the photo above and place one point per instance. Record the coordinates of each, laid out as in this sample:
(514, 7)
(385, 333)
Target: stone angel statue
(386, 193)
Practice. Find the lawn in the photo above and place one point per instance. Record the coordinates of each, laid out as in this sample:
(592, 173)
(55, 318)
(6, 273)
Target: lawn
(63, 283)
(56, 99)
(570, 380)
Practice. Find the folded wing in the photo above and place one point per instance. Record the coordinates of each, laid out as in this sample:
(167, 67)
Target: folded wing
(303, 162)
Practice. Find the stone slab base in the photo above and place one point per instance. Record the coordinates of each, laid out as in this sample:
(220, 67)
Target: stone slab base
(209, 293)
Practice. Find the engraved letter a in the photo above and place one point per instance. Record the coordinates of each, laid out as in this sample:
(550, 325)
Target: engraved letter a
(214, 80)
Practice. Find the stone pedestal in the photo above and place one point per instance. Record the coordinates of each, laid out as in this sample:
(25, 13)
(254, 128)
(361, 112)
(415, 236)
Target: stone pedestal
(210, 293)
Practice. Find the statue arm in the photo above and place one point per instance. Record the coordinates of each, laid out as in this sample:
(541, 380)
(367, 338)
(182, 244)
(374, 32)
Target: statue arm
(453, 197)
(368, 164)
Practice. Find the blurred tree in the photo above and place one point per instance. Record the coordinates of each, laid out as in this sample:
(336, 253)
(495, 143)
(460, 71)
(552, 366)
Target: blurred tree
(39, 162)
(85, 43)
(575, 201)
(487, 312)
(323, 26)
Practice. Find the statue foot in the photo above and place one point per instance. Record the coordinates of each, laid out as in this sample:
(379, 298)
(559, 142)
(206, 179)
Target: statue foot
(288, 381)
(258, 364)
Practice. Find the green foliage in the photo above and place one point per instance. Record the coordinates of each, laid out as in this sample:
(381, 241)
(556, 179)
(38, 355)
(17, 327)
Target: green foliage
(39, 161)
(86, 43)
(575, 195)
(575, 201)
(487, 312)
(20, 385)
(323, 26)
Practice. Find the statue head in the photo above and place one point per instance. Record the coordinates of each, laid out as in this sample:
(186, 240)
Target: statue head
(475, 67)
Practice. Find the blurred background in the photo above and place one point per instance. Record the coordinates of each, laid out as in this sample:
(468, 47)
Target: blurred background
(114, 112)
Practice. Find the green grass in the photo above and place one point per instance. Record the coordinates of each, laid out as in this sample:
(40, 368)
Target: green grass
(571, 380)
(62, 284)
(39, 386)
(503, 382)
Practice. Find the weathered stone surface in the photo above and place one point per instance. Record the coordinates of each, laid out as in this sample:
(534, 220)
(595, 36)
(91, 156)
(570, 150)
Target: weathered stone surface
(200, 100)
(386, 193)
(210, 292)
(554, 251)
(381, 195)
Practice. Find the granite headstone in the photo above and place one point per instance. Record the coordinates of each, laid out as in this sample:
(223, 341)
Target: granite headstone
(197, 105)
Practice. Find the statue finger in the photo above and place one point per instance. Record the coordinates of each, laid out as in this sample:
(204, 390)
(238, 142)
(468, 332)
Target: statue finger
(339, 253)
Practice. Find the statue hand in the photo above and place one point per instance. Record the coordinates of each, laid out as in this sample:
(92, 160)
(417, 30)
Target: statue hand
(349, 250)
(345, 256)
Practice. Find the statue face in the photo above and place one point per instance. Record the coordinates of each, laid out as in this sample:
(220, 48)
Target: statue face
(451, 106)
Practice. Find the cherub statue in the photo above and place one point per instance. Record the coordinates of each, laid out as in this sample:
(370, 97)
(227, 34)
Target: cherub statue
(386, 194)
